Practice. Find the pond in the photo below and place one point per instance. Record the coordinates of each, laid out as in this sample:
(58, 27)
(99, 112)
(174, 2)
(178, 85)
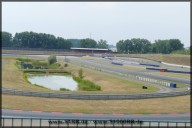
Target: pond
(53, 82)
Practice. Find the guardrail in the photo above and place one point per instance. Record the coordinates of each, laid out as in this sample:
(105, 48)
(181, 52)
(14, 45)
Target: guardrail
(35, 49)
(79, 123)
(92, 96)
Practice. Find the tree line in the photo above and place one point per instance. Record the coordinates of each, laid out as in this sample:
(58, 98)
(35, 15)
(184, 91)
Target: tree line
(47, 41)
(140, 46)
(34, 40)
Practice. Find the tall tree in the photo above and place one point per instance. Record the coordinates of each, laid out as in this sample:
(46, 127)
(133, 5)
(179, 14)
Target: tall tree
(120, 46)
(88, 43)
(6, 39)
(175, 44)
(102, 44)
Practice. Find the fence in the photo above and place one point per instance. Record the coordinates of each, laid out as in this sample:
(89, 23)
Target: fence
(172, 71)
(93, 96)
(136, 77)
(77, 123)
(35, 49)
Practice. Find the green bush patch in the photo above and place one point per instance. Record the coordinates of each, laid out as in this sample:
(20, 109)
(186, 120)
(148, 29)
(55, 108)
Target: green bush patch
(86, 85)
(64, 89)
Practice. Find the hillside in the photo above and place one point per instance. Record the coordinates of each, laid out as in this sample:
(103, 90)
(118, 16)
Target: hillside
(170, 58)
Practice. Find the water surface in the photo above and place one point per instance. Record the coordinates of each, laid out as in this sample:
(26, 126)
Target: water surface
(53, 82)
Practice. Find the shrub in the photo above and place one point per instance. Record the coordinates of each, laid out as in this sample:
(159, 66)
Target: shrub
(24, 59)
(86, 85)
(64, 89)
(52, 59)
(65, 65)
(54, 66)
(81, 73)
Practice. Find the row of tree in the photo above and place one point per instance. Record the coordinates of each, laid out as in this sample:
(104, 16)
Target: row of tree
(34, 40)
(47, 41)
(137, 45)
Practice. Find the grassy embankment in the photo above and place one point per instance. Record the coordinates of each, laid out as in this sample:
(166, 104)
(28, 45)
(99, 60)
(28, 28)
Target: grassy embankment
(84, 85)
(169, 58)
(109, 84)
(141, 69)
(180, 104)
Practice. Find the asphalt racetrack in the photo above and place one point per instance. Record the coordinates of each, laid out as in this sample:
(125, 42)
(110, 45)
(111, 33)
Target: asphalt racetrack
(60, 115)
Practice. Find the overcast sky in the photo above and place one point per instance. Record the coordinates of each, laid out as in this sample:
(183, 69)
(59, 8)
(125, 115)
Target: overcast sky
(112, 21)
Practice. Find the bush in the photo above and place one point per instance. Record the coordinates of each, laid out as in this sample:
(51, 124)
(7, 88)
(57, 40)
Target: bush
(65, 65)
(52, 59)
(64, 89)
(24, 59)
(81, 74)
(86, 85)
(54, 66)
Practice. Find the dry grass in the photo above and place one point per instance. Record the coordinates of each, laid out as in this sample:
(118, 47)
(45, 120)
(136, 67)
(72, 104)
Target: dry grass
(174, 59)
(179, 104)
(12, 78)
(111, 84)
(173, 74)
(130, 68)
(38, 52)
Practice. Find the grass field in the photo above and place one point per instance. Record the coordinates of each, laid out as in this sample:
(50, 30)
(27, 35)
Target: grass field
(173, 59)
(179, 104)
(170, 58)
(12, 78)
(172, 74)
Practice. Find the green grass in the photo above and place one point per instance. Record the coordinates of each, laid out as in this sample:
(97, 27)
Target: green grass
(64, 89)
(25, 77)
(35, 72)
(24, 59)
(86, 85)
(39, 86)
(38, 63)
(12, 77)
(54, 66)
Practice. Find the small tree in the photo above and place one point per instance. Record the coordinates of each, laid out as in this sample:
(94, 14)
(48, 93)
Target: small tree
(65, 65)
(81, 74)
(52, 59)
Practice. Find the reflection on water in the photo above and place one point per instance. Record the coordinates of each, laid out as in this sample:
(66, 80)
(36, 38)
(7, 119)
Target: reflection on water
(53, 82)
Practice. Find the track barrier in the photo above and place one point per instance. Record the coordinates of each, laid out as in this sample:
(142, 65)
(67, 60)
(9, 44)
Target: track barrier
(92, 96)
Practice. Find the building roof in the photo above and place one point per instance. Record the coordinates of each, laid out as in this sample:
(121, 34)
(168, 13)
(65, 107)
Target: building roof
(94, 49)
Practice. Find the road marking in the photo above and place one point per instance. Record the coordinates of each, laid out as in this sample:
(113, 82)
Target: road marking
(77, 113)
(118, 114)
(56, 112)
(155, 114)
(36, 111)
(137, 114)
(97, 114)
(17, 110)
(174, 113)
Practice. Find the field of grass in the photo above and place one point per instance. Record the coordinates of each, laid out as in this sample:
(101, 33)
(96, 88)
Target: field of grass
(180, 104)
(12, 78)
(172, 74)
(170, 58)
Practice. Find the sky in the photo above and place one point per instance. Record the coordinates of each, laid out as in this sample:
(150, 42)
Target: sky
(111, 21)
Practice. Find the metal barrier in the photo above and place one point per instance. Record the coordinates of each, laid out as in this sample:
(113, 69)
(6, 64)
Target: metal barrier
(35, 49)
(92, 96)
(79, 123)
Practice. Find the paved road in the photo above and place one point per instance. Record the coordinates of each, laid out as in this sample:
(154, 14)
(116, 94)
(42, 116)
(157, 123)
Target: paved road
(59, 115)
(126, 71)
